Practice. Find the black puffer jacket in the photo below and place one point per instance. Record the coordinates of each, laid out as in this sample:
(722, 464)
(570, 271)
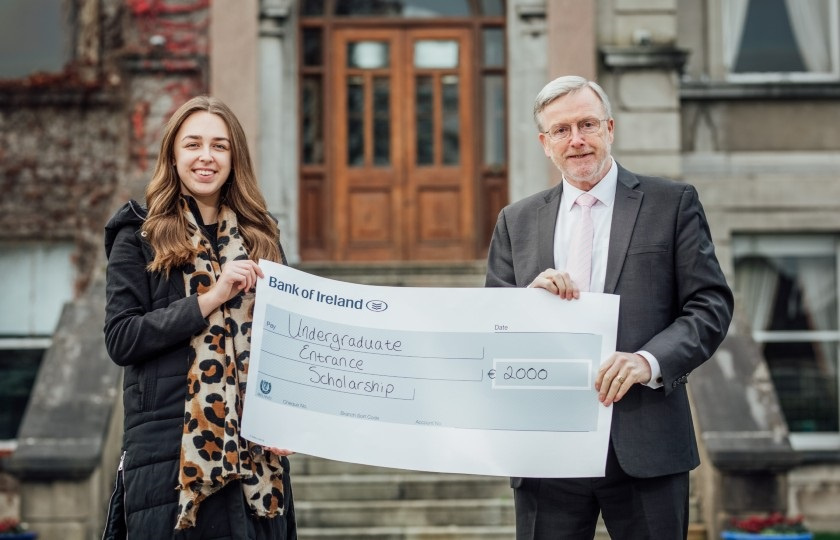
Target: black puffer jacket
(148, 325)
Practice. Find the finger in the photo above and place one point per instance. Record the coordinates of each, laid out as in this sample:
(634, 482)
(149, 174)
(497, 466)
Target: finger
(599, 377)
(569, 290)
(610, 389)
(552, 285)
(543, 281)
(623, 384)
(248, 276)
(608, 375)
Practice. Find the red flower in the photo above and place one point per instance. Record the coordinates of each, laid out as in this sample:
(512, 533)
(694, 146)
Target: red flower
(11, 525)
(772, 523)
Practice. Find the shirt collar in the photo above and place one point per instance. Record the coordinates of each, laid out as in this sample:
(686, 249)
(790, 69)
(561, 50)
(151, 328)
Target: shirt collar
(604, 190)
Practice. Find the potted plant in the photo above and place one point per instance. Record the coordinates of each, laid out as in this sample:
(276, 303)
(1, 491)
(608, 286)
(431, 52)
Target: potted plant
(12, 529)
(771, 527)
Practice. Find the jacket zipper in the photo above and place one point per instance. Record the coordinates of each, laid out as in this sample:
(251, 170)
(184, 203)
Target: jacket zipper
(120, 477)
(121, 472)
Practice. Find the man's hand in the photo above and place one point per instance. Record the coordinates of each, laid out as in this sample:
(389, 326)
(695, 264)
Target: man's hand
(618, 374)
(556, 282)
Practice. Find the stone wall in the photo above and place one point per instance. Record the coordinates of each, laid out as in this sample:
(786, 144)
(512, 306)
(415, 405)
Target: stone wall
(58, 170)
(74, 146)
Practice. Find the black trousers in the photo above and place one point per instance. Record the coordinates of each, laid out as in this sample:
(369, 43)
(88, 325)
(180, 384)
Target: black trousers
(632, 508)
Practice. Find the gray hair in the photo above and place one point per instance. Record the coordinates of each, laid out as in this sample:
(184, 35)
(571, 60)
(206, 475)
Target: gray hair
(562, 86)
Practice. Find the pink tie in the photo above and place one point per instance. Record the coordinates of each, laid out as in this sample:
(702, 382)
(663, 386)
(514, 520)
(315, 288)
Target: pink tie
(579, 262)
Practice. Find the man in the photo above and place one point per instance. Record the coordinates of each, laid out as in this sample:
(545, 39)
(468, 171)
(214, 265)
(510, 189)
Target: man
(650, 244)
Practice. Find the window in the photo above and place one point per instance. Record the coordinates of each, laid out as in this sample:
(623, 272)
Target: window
(33, 37)
(38, 280)
(788, 285)
(781, 40)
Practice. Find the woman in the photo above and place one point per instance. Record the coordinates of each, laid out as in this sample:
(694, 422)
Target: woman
(180, 282)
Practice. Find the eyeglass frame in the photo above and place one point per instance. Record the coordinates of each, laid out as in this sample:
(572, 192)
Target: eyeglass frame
(580, 129)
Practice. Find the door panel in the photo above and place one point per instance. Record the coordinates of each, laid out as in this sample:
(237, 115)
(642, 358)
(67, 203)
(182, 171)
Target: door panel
(439, 169)
(403, 169)
(368, 188)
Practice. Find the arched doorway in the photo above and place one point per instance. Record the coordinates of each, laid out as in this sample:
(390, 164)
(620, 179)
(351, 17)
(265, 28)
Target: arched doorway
(402, 129)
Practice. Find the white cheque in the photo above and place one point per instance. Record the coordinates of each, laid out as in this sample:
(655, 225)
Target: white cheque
(478, 381)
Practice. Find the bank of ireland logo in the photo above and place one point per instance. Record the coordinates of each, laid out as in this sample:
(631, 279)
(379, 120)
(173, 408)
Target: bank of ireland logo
(376, 305)
(265, 387)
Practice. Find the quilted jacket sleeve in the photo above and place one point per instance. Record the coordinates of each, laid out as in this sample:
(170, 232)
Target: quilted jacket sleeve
(145, 314)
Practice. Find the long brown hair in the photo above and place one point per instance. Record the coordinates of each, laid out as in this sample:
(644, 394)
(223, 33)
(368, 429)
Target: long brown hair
(166, 226)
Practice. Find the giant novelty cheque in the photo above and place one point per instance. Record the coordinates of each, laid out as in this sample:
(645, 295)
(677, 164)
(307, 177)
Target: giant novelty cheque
(496, 381)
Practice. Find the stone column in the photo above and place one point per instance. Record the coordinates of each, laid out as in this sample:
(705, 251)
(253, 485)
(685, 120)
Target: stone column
(527, 74)
(641, 68)
(278, 107)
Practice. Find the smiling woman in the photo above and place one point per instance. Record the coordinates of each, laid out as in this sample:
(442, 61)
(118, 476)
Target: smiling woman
(180, 296)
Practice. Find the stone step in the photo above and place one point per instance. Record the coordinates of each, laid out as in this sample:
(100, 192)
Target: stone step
(402, 273)
(428, 533)
(407, 513)
(310, 465)
(408, 486)
(410, 533)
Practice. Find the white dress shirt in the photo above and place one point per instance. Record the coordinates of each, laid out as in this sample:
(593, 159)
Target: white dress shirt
(602, 212)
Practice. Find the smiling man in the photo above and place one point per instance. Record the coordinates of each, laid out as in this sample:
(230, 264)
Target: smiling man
(606, 229)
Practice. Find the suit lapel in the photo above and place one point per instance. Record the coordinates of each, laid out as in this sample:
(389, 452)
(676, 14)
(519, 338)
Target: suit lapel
(627, 203)
(546, 224)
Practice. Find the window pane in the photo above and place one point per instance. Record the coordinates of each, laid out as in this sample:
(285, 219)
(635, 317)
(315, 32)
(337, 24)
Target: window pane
(494, 47)
(39, 280)
(494, 120)
(312, 136)
(33, 37)
(435, 8)
(403, 8)
(789, 293)
(767, 42)
(436, 54)
(18, 369)
(381, 121)
(355, 121)
(775, 37)
(492, 7)
(368, 54)
(805, 377)
(312, 47)
(424, 103)
(312, 7)
(451, 121)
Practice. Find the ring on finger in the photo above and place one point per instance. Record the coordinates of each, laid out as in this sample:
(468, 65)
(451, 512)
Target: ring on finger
(622, 379)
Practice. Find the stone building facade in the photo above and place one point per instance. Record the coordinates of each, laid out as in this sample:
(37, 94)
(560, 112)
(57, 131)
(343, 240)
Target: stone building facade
(692, 100)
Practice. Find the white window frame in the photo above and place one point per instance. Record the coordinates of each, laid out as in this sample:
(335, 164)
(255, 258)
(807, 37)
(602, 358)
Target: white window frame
(39, 280)
(793, 245)
(729, 45)
(9, 445)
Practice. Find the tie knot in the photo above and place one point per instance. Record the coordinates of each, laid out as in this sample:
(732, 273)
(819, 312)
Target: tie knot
(585, 199)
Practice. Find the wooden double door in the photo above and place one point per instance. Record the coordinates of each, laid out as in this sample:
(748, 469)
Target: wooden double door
(403, 146)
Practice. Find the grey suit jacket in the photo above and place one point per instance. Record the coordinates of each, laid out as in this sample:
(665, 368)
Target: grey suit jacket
(675, 303)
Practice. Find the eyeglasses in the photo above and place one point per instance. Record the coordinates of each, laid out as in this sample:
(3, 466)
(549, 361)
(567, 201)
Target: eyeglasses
(564, 131)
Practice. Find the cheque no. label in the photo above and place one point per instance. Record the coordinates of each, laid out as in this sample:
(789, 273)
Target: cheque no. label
(397, 369)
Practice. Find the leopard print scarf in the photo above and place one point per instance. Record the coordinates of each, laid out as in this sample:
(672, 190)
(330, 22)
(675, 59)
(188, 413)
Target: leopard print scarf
(212, 452)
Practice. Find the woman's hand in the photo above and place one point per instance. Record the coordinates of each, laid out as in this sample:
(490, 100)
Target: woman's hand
(278, 451)
(236, 276)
